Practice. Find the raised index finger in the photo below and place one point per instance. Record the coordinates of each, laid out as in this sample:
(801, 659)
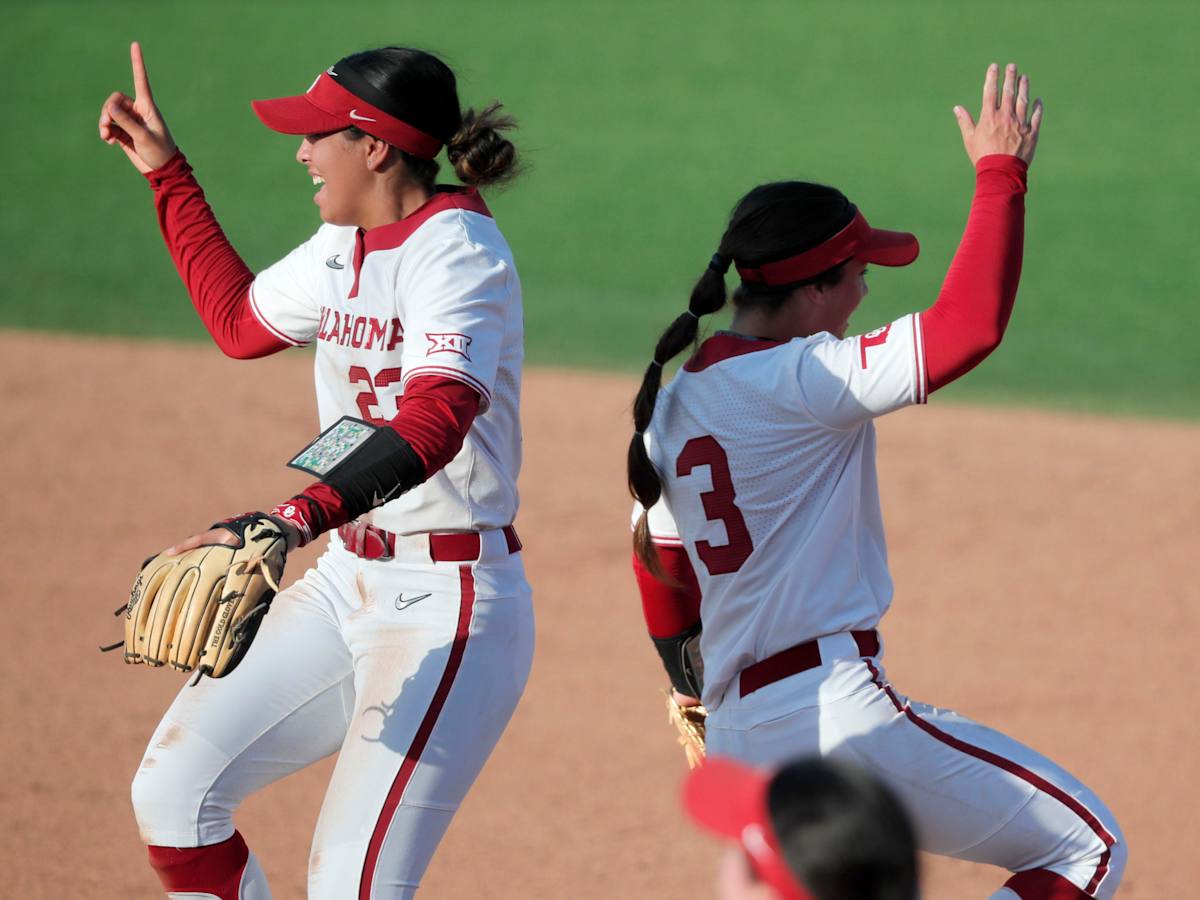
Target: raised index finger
(141, 82)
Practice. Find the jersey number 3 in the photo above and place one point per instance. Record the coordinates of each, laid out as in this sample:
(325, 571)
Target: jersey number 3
(718, 506)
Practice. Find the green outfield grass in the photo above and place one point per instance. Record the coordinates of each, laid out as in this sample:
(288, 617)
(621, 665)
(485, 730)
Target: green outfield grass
(642, 123)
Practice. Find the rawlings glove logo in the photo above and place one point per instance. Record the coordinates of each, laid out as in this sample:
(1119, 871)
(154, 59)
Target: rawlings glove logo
(134, 596)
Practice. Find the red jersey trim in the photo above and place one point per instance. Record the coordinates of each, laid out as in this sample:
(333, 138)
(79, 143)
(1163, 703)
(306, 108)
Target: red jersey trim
(721, 347)
(356, 262)
(391, 236)
(262, 320)
(455, 374)
(660, 540)
(922, 381)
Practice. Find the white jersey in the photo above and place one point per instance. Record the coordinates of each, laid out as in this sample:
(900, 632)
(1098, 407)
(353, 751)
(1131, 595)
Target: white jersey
(766, 452)
(433, 294)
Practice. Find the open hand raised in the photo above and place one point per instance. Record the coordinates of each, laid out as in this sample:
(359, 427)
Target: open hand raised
(1007, 124)
(136, 124)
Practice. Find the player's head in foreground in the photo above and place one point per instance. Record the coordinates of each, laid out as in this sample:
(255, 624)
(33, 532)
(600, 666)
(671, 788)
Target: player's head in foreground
(373, 124)
(801, 251)
(813, 830)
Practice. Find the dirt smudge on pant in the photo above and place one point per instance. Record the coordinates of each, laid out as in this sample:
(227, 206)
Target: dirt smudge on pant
(368, 598)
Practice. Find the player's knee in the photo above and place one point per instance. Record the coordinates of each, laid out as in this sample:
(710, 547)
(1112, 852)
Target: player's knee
(165, 804)
(1104, 866)
(154, 803)
(1088, 867)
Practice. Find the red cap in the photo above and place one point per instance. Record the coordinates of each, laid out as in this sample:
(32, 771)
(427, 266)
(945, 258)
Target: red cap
(331, 106)
(857, 240)
(730, 799)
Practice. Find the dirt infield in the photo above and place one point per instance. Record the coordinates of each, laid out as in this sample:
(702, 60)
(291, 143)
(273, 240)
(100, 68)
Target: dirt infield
(1045, 574)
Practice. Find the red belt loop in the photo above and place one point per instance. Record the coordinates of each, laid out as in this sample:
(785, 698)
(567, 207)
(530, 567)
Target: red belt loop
(868, 642)
(511, 539)
(797, 659)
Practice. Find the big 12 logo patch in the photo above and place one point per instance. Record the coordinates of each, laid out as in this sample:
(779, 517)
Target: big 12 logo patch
(451, 342)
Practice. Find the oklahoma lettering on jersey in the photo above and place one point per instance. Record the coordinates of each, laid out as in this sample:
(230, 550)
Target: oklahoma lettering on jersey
(359, 331)
(766, 452)
(436, 293)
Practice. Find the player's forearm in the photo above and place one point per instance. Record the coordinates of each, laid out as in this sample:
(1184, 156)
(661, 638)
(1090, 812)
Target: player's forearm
(434, 417)
(216, 278)
(672, 612)
(972, 311)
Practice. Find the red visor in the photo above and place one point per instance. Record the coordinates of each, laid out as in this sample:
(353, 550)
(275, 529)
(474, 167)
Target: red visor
(858, 240)
(731, 799)
(328, 106)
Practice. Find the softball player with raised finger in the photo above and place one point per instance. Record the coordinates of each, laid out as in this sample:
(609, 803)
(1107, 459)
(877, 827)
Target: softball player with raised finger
(406, 648)
(757, 465)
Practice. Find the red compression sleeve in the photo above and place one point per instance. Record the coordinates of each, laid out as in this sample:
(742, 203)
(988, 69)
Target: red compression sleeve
(972, 310)
(434, 416)
(669, 609)
(216, 278)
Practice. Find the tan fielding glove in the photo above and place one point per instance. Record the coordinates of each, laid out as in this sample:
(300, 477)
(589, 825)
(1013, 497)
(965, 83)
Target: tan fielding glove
(199, 610)
(689, 722)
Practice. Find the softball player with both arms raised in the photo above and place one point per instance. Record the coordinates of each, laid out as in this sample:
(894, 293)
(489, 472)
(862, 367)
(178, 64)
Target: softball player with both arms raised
(762, 450)
(407, 647)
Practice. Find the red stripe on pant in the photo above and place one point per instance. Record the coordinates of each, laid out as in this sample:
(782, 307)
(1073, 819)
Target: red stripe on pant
(424, 730)
(1021, 772)
(215, 869)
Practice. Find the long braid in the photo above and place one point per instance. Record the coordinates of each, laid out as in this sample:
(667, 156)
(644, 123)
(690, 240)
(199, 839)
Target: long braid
(771, 222)
(708, 296)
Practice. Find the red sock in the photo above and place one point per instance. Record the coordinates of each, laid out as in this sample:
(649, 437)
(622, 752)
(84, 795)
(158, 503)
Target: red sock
(215, 869)
(1042, 884)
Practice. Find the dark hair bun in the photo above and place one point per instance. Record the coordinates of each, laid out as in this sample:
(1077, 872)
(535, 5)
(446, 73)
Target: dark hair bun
(480, 153)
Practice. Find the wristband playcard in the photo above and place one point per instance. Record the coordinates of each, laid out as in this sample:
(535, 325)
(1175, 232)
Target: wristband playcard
(332, 446)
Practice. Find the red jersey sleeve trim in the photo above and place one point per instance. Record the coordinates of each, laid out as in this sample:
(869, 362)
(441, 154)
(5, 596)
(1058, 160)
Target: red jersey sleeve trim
(666, 541)
(921, 392)
(262, 320)
(447, 373)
